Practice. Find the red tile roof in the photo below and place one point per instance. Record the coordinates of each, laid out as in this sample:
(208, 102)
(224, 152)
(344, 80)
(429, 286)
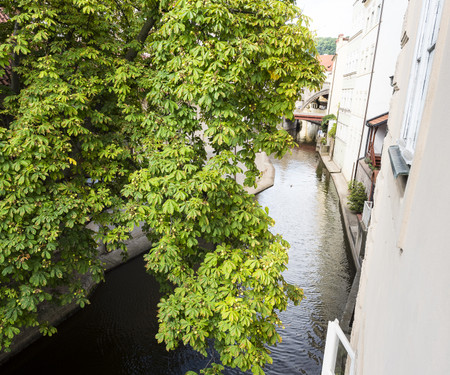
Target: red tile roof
(379, 120)
(326, 61)
(3, 16)
(5, 79)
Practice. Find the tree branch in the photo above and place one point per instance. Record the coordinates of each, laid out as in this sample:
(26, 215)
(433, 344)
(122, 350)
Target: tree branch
(142, 36)
(15, 62)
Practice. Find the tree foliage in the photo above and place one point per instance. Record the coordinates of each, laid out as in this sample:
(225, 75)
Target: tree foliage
(326, 46)
(325, 120)
(110, 112)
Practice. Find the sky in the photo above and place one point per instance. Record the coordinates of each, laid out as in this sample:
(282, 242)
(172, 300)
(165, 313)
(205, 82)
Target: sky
(329, 17)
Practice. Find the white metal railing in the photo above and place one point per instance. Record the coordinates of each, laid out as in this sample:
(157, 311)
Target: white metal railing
(367, 212)
(334, 335)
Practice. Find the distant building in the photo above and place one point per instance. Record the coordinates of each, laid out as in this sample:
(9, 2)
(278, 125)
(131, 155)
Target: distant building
(327, 62)
(3, 16)
(313, 105)
(337, 78)
(362, 84)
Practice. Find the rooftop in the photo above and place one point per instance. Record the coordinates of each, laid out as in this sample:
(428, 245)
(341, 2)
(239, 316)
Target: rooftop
(4, 80)
(327, 62)
(3, 16)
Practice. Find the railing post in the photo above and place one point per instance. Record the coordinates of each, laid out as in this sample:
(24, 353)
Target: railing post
(334, 335)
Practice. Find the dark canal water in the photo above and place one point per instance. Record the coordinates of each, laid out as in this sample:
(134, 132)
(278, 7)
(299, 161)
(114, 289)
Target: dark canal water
(115, 334)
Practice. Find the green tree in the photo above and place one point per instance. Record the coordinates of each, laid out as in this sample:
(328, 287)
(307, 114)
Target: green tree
(111, 109)
(325, 120)
(326, 46)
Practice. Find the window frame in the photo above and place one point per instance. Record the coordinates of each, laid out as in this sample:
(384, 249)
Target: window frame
(420, 76)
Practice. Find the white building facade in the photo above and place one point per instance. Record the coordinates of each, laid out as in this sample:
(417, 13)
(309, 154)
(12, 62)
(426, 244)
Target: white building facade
(337, 77)
(366, 86)
(402, 313)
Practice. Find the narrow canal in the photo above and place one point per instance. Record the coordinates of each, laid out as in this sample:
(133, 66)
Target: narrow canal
(115, 334)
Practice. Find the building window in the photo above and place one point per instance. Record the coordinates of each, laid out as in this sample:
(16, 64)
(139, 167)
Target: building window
(347, 98)
(420, 75)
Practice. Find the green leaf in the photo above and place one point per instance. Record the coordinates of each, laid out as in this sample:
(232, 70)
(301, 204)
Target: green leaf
(170, 206)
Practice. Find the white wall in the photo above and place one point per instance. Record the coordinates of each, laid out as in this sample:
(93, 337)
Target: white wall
(356, 81)
(355, 85)
(389, 48)
(339, 65)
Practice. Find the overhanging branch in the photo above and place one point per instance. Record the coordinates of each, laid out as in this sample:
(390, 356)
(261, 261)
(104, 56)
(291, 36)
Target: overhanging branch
(141, 37)
(15, 62)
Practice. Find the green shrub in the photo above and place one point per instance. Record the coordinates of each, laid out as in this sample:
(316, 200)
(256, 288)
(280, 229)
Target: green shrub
(332, 132)
(369, 163)
(357, 196)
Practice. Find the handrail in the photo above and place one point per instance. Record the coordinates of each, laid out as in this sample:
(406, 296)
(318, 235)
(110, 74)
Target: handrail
(334, 335)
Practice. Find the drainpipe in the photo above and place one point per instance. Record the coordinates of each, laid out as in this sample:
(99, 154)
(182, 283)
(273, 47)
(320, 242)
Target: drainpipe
(369, 90)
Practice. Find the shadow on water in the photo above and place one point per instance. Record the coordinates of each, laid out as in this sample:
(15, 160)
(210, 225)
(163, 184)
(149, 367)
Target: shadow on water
(116, 333)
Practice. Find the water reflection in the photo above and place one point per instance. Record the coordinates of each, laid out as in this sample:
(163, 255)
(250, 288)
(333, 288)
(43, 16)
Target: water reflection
(115, 334)
(305, 206)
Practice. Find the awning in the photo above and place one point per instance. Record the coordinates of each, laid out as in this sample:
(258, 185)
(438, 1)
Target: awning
(378, 121)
